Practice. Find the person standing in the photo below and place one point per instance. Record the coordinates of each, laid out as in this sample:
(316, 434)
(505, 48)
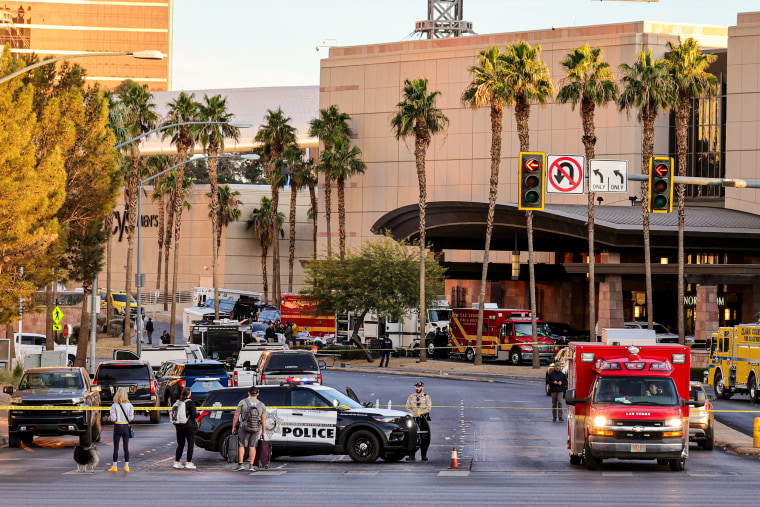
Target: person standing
(122, 413)
(249, 423)
(271, 334)
(418, 404)
(386, 346)
(186, 431)
(149, 330)
(557, 386)
(288, 332)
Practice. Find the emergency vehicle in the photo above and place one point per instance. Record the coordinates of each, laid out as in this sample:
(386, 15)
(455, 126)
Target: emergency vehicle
(507, 335)
(735, 361)
(299, 309)
(628, 402)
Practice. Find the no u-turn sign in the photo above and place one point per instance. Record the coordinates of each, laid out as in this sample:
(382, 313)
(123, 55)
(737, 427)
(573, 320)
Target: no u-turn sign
(565, 174)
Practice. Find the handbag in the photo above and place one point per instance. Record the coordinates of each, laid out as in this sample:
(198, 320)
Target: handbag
(131, 429)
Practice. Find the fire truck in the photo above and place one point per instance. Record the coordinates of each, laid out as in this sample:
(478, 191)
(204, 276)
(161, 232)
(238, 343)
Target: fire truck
(629, 402)
(507, 335)
(298, 308)
(735, 361)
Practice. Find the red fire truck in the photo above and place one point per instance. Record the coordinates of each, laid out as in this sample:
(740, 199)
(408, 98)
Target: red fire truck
(507, 335)
(628, 402)
(298, 308)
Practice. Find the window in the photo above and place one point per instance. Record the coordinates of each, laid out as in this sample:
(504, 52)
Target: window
(292, 362)
(300, 398)
(112, 372)
(202, 370)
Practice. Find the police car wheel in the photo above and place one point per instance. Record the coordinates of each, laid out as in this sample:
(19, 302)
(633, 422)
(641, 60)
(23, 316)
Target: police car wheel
(363, 447)
(393, 457)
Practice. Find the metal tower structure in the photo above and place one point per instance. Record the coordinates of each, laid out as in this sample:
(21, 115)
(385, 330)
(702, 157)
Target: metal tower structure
(444, 20)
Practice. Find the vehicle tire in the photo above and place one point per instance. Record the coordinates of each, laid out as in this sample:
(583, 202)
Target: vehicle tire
(393, 457)
(85, 439)
(155, 416)
(515, 357)
(223, 444)
(27, 439)
(469, 354)
(70, 362)
(575, 459)
(363, 446)
(98, 428)
(708, 443)
(677, 465)
(14, 441)
(592, 463)
(753, 394)
(720, 389)
(662, 461)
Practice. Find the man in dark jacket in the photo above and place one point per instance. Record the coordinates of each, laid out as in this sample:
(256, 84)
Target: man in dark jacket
(557, 385)
(386, 346)
(149, 329)
(271, 334)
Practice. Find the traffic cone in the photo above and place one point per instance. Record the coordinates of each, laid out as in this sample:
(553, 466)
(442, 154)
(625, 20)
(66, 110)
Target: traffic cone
(454, 459)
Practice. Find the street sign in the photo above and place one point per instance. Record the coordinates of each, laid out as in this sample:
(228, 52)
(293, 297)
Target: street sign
(565, 174)
(57, 327)
(57, 315)
(608, 176)
(67, 330)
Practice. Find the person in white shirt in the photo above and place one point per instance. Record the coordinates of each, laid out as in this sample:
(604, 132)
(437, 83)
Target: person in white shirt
(122, 413)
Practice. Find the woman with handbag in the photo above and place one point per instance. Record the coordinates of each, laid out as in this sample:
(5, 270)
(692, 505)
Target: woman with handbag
(122, 413)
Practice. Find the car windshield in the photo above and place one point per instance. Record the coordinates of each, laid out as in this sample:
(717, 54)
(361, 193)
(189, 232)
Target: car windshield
(122, 298)
(291, 362)
(205, 370)
(58, 379)
(636, 391)
(660, 329)
(438, 315)
(269, 316)
(343, 400)
(112, 372)
(526, 329)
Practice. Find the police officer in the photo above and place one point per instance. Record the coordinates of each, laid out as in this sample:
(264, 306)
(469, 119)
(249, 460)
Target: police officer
(386, 346)
(418, 404)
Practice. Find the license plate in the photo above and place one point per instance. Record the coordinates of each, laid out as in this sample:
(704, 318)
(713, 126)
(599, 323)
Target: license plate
(208, 384)
(638, 447)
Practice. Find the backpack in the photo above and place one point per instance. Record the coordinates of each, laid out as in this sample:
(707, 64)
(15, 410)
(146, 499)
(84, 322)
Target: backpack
(178, 414)
(251, 421)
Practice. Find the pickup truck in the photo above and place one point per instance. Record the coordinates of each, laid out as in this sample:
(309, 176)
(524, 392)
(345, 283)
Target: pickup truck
(156, 356)
(34, 343)
(248, 358)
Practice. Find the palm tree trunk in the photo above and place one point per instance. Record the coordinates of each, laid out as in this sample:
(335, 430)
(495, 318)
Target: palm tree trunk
(292, 239)
(328, 212)
(109, 251)
(342, 216)
(213, 179)
(682, 123)
(276, 295)
(589, 142)
(419, 155)
(497, 115)
(83, 343)
(168, 244)
(315, 211)
(161, 218)
(647, 149)
(131, 190)
(264, 251)
(179, 201)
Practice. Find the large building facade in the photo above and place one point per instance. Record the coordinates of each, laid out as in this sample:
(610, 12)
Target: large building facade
(58, 28)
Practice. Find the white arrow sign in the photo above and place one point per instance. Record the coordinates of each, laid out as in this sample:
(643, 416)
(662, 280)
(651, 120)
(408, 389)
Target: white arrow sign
(608, 176)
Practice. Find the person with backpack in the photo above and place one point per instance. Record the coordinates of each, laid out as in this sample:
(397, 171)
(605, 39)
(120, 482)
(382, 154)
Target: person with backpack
(183, 416)
(249, 423)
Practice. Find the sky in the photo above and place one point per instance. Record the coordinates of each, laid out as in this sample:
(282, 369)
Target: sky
(255, 43)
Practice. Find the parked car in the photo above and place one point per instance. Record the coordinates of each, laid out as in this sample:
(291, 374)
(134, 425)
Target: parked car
(57, 387)
(34, 343)
(563, 333)
(201, 377)
(297, 366)
(157, 356)
(662, 334)
(248, 359)
(137, 377)
(338, 424)
(119, 303)
(701, 419)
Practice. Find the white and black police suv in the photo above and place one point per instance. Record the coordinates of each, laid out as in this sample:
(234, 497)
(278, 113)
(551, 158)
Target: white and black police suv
(307, 420)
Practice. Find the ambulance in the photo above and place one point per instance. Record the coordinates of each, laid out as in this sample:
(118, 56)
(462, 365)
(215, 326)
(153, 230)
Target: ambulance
(629, 402)
(735, 361)
(507, 335)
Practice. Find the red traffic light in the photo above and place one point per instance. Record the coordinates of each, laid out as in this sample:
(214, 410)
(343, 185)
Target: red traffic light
(661, 170)
(532, 165)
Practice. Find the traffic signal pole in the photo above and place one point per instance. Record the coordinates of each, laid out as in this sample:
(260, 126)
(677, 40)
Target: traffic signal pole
(693, 180)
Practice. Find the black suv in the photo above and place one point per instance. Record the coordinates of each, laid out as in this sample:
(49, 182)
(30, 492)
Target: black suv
(296, 366)
(137, 377)
(200, 376)
(69, 388)
(307, 420)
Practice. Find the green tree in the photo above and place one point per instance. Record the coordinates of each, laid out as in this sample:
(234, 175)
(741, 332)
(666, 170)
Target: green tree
(419, 116)
(183, 109)
(688, 73)
(380, 277)
(212, 136)
(646, 87)
(260, 221)
(589, 82)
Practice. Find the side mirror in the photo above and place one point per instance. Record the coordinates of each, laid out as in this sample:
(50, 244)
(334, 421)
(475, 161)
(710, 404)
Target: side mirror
(335, 403)
(95, 389)
(570, 397)
(322, 364)
(8, 390)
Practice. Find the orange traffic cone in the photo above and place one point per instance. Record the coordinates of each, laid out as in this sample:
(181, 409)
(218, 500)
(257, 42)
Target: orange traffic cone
(454, 459)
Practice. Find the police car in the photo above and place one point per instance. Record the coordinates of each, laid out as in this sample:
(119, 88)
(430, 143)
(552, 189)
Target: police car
(307, 420)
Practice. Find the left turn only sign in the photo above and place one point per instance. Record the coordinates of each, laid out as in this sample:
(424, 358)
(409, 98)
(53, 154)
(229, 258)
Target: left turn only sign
(565, 174)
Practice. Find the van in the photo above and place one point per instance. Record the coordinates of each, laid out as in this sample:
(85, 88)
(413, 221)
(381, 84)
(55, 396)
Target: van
(293, 366)
(119, 302)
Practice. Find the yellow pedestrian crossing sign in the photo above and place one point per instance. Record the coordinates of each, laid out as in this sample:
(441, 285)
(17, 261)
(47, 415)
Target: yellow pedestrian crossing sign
(57, 327)
(57, 314)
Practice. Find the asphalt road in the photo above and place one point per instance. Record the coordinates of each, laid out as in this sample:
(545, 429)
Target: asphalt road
(509, 452)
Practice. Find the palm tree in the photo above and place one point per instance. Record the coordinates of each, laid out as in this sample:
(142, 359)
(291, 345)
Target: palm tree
(647, 87)
(261, 223)
(419, 116)
(590, 83)
(212, 136)
(528, 82)
(487, 87)
(183, 109)
(688, 72)
(229, 210)
(331, 122)
(343, 162)
(168, 187)
(274, 135)
(140, 117)
(311, 180)
(295, 164)
(156, 164)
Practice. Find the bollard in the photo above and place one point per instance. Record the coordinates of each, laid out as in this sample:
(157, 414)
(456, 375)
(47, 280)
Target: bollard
(390, 406)
(377, 403)
(756, 433)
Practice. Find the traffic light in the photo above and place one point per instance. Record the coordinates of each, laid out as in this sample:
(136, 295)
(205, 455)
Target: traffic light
(660, 185)
(531, 182)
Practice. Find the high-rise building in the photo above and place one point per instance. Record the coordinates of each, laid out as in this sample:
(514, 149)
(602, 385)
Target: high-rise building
(62, 27)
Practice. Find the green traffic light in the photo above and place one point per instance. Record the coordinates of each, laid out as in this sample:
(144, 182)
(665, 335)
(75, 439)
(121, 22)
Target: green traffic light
(531, 197)
(660, 202)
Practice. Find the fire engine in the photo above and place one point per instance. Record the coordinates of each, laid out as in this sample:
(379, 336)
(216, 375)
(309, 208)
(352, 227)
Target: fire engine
(629, 402)
(735, 361)
(298, 308)
(507, 335)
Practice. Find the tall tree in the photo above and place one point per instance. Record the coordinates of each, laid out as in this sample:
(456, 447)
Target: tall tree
(260, 221)
(229, 211)
(646, 87)
(589, 82)
(295, 164)
(274, 135)
(330, 123)
(140, 117)
(488, 88)
(212, 136)
(419, 116)
(311, 180)
(156, 164)
(688, 72)
(183, 109)
(168, 186)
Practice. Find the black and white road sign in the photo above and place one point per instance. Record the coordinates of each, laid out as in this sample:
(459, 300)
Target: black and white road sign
(565, 174)
(608, 176)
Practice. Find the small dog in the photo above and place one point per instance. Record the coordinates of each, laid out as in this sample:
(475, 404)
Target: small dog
(84, 456)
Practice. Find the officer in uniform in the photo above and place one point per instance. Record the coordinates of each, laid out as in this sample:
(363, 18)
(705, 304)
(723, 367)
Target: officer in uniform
(418, 404)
